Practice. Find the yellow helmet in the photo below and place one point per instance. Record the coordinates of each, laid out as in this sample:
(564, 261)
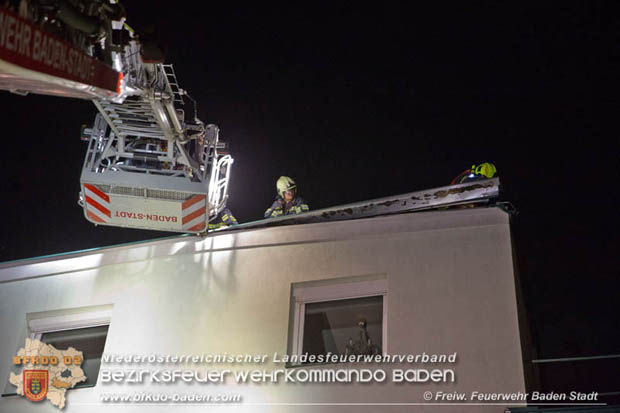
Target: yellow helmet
(284, 184)
(486, 169)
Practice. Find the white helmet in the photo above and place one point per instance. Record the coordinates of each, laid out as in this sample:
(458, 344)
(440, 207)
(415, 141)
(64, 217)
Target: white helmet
(284, 184)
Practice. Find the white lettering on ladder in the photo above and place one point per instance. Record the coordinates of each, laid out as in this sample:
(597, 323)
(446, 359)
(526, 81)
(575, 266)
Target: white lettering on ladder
(28, 41)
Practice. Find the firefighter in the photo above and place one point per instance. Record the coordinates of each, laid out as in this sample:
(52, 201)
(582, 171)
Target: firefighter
(475, 173)
(287, 201)
(224, 219)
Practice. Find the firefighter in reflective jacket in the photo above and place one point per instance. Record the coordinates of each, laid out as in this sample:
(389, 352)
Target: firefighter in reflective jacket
(224, 219)
(483, 171)
(287, 201)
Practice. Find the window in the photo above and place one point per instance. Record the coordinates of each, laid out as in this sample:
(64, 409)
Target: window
(347, 318)
(84, 330)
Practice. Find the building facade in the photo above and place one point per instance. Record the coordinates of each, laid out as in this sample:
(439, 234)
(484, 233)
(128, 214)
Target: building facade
(428, 284)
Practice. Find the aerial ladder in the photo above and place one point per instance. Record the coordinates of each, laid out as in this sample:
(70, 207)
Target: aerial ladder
(149, 163)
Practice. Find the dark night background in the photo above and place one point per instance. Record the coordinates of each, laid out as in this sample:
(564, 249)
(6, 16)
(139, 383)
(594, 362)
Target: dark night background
(361, 102)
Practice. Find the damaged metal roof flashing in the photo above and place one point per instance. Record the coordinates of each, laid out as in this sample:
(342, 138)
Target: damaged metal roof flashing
(471, 194)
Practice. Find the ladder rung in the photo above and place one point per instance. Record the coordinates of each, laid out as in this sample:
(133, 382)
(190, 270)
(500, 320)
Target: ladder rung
(119, 120)
(138, 129)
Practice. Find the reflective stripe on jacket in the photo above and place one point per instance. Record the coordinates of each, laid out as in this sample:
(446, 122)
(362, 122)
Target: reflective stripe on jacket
(279, 208)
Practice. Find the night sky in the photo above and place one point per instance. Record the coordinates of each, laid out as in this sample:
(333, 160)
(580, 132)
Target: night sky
(357, 103)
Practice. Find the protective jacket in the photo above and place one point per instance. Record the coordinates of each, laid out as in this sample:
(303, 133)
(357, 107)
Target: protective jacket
(280, 207)
(224, 219)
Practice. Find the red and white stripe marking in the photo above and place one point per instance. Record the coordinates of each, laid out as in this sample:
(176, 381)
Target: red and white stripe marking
(194, 212)
(97, 204)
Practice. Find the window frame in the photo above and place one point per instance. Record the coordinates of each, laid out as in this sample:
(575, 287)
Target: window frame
(302, 295)
(67, 322)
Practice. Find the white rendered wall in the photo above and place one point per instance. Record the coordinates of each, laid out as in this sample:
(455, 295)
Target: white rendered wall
(451, 289)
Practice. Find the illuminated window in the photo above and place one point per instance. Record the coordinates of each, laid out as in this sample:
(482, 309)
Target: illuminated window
(348, 318)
